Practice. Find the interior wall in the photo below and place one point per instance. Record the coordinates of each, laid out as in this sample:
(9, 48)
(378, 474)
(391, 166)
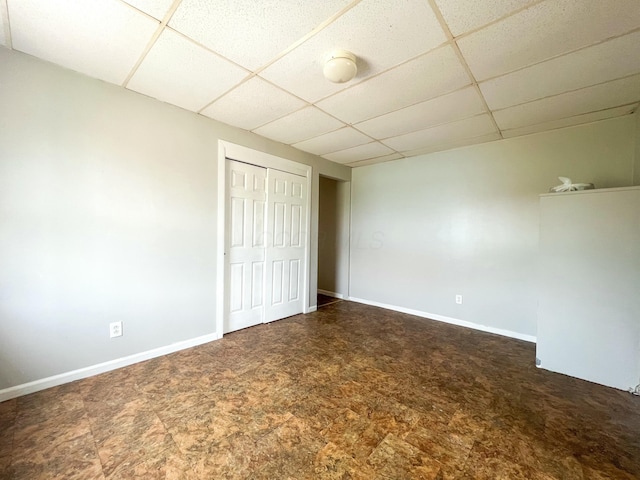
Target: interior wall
(107, 213)
(333, 236)
(327, 234)
(466, 221)
(636, 168)
(343, 238)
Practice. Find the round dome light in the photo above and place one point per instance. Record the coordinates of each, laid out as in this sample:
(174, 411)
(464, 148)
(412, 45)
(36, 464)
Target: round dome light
(341, 67)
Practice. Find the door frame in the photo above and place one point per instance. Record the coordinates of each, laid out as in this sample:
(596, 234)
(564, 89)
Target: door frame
(231, 151)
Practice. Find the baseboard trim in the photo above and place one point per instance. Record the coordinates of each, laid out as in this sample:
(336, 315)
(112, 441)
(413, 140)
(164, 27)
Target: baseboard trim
(312, 309)
(452, 321)
(330, 294)
(55, 380)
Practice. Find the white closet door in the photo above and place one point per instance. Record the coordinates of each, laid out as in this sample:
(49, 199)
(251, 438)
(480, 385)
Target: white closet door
(245, 263)
(286, 241)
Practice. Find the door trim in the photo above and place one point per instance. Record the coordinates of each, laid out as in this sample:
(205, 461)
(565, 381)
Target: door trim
(231, 151)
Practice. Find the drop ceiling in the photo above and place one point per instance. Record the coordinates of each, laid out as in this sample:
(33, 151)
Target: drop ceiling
(432, 74)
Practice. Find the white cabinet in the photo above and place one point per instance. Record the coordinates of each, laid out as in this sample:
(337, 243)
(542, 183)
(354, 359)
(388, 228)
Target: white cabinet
(589, 305)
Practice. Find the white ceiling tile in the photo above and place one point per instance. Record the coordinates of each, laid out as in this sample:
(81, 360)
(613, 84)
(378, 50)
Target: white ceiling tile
(3, 24)
(301, 125)
(155, 8)
(545, 30)
(464, 15)
(450, 132)
(447, 108)
(330, 142)
(100, 38)
(252, 104)
(381, 33)
(590, 99)
(180, 72)
(372, 161)
(490, 137)
(606, 61)
(426, 77)
(567, 122)
(248, 32)
(362, 152)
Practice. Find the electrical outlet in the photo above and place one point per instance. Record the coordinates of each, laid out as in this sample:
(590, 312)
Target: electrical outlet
(115, 329)
(459, 299)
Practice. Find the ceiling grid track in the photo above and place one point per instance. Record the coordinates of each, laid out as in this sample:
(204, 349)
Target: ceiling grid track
(154, 38)
(463, 61)
(497, 20)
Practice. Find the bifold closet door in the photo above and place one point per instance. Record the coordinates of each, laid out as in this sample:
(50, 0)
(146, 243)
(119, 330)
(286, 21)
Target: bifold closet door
(245, 240)
(286, 241)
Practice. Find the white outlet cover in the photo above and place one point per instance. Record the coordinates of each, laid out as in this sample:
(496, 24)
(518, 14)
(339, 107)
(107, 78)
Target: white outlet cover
(115, 329)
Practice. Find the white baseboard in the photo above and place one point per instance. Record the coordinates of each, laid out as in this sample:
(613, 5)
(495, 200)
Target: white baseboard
(330, 294)
(453, 321)
(55, 380)
(312, 309)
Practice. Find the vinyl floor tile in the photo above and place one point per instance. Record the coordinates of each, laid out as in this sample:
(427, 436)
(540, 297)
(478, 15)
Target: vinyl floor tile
(396, 459)
(69, 456)
(354, 434)
(333, 463)
(289, 451)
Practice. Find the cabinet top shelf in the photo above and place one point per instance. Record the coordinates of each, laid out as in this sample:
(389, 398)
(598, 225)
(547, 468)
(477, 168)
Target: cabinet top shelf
(589, 192)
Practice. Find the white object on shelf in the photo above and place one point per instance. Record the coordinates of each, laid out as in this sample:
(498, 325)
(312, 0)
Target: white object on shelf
(567, 186)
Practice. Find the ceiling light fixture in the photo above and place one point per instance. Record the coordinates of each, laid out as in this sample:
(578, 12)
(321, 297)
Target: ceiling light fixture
(340, 67)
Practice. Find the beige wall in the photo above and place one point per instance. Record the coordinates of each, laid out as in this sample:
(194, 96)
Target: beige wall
(333, 236)
(107, 212)
(327, 232)
(465, 221)
(636, 169)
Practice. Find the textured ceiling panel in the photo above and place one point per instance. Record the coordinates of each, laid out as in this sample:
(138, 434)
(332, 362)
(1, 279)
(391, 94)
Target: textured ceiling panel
(426, 77)
(606, 61)
(155, 8)
(566, 122)
(251, 32)
(253, 104)
(371, 161)
(330, 142)
(4, 21)
(545, 30)
(590, 99)
(178, 71)
(450, 132)
(381, 33)
(463, 142)
(362, 152)
(465, 15)
(100, 38)
(301, 125)
(447, 108)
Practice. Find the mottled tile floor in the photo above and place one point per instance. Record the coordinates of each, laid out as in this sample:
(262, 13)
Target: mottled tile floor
(348, 392)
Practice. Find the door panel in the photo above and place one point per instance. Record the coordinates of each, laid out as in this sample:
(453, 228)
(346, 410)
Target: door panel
(277, 268)
(294, 280)
(244, 273)
(286, 240)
